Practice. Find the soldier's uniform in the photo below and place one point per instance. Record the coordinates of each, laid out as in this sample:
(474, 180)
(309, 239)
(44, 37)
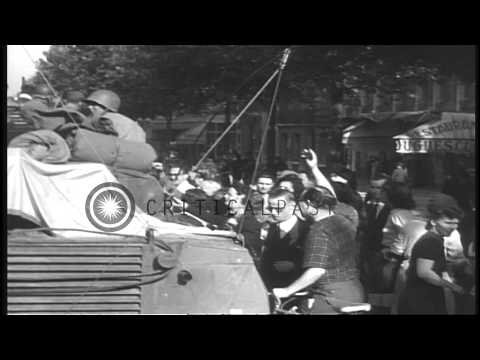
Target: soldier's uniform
(110, 121)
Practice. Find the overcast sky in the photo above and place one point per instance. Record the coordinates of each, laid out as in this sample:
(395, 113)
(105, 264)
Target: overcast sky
(19, 64)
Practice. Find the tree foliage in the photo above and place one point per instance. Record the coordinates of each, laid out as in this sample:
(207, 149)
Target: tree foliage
(153, 79)
(170, 79)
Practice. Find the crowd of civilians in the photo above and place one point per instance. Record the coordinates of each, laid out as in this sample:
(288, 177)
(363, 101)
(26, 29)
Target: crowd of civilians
(312, 230)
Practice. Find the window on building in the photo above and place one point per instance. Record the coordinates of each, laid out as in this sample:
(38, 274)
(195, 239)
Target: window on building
(297, 144)
(364, 99)
(425, 100)
(419, 95)
(460, 95)
(284, 146)
(396, 100)
(468, 103)
(382, 102)
(359, 166)
(443, 95)
(447, 94)
(409, 98)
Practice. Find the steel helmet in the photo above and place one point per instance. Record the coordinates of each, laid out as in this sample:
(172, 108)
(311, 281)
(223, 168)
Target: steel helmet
(42, 91)
(105, 98)
(74, 96)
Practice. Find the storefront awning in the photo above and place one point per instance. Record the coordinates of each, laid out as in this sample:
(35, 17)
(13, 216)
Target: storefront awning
(453, 133)
(380, 117)
(194, 135)
(384, 125)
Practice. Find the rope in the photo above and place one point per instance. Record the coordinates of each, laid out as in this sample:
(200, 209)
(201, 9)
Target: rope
(145, 223)
(235, 120)
(107, 277)
(198, 163)
(277, 56)
(265, 132)
(236, 91)
(91, 289)
(56, 95)
(205, 127)
(40, 72)
(94, 150)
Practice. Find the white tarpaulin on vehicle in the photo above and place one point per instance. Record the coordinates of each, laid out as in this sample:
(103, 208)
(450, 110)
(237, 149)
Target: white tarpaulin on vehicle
(453, 133)
(55, 196)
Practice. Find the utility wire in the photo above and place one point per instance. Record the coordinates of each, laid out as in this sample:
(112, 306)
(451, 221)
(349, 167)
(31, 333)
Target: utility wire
(235, 120)
(249, 77)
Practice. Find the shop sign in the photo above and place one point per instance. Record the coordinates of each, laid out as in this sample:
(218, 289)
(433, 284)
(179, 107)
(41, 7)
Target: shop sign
(454, 133)
(415, 146)
(450, 128)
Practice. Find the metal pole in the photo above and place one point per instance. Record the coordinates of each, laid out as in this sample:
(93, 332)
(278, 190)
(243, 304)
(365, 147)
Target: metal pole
(235, 120)
(283, 63)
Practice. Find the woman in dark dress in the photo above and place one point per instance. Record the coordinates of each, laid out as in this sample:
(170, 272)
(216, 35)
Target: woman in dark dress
(424, 292)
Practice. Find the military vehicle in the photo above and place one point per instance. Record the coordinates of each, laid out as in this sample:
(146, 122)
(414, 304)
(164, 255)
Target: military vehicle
(153, 274)
(121, 275)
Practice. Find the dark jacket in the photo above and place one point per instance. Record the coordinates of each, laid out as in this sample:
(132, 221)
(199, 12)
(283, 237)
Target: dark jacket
(282, 258)
(372, 225)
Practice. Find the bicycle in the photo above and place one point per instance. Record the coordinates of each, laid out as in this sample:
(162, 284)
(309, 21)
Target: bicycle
(291, 306)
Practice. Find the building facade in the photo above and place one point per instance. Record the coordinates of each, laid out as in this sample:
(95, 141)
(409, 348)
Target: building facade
(319, 125)
(380, 119)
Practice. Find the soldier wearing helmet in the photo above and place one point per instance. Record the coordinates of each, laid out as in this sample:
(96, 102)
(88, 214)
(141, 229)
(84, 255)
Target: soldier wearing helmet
(103, 106)
(23, 98)
(42, 92)
(41, 102)
(46, 95)
(103, 101)
(73, 100)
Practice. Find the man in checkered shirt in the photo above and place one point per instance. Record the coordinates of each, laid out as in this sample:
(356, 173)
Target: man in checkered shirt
(329, 259)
